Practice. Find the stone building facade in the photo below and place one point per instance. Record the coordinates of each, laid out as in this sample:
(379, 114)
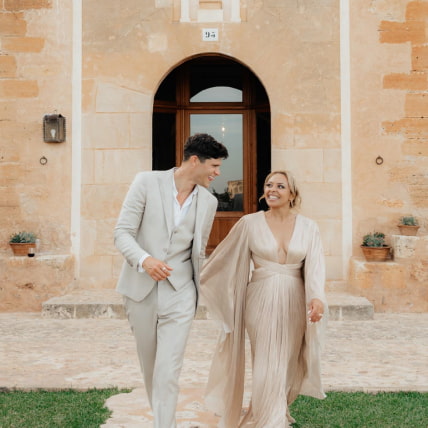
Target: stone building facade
(347, 88)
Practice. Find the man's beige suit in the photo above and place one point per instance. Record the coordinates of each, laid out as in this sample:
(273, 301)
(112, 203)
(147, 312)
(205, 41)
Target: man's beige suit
(160, 313)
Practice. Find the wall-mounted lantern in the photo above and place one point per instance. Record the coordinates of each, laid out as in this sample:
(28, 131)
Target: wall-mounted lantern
(53, 128)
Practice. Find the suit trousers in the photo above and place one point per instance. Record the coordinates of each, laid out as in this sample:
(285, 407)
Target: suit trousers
(161, 324)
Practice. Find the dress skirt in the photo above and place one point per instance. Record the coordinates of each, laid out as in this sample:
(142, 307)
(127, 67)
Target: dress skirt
(275, 321)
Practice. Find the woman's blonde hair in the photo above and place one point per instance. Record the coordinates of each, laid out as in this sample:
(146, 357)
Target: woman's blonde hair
(297, 200)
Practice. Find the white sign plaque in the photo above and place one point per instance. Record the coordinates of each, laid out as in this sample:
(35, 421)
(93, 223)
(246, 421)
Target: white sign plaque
(210, 34)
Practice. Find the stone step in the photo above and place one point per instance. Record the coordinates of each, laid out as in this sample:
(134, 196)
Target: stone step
(107, 303)
(346, 307)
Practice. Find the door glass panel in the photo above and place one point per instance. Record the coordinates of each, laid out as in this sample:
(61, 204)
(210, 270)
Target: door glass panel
(228, 129)
(218, 94)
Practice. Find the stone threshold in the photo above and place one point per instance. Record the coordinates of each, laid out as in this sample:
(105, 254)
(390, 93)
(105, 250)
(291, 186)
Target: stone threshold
(107, 303)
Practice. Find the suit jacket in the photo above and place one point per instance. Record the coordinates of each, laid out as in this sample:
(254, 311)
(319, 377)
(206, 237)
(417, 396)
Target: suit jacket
(145, 224)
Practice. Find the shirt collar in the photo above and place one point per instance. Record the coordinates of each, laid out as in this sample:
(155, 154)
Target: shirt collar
(175, 191)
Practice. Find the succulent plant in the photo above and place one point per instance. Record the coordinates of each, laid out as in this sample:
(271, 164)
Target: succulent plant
(409, 221)
(23, 238)
(375, 239)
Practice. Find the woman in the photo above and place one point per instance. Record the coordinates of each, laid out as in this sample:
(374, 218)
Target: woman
(280, 306)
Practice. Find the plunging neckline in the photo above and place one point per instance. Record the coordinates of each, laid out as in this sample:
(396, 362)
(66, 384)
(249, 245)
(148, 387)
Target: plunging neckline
(276, 241)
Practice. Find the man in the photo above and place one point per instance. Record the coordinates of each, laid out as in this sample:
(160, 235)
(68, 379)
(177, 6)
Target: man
(162, 232)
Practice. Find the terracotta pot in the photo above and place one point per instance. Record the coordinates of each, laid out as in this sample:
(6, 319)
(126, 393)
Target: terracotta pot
(376, 254)
(21, 248)
(408, 230)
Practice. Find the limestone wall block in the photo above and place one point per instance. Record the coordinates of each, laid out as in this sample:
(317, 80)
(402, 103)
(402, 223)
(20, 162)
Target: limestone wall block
(7, 66)
(401, 32)
(14, 88)
(27, 282)
(416, 147)
(140, 128)
(331, 236)
(12, 24)
(112, 98)
(14, 5)
(321, 200)
(96, 268)
(117, 166)
(118, 261)
(102, 201)
(106, 131)
(333, 267)
(414, 81)
(104, 240)
(23, 44)
(332, 160)
(420, 58)
(88, 231)
(417, 10)
(88, 166)
(305, 164)
(314, 130)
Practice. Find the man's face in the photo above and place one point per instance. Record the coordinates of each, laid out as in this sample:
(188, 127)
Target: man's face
(206, 172)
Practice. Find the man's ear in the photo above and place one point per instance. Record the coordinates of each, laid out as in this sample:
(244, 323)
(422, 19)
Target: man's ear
(194, 160)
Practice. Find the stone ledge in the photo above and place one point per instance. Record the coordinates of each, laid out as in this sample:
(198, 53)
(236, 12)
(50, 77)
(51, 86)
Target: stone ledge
(107, 303)
(407, 247)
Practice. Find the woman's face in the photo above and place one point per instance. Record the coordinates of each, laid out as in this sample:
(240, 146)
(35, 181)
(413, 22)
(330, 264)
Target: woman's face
(277, 191)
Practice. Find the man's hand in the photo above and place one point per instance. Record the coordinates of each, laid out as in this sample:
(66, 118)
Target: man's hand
(315, 310)
(157, 269)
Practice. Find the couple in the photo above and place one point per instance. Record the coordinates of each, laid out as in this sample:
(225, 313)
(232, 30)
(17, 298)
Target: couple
(162, 232)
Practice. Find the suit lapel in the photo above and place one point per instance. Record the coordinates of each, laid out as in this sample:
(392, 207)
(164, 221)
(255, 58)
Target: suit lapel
(165, 188)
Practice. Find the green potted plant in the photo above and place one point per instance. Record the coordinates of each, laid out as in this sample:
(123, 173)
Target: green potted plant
(374, 247)
(21, 242)
(408, 225)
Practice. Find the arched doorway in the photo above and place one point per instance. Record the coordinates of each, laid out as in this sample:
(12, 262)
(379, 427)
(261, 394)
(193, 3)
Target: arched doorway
(222, 97)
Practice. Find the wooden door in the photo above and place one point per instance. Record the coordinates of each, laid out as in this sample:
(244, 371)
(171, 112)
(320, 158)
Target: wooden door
(224, 99)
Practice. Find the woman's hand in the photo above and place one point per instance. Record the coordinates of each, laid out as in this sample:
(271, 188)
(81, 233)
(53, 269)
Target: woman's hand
(315, 310)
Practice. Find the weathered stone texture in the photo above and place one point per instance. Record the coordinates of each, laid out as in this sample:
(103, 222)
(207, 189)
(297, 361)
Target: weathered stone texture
(293, 47)
(7, 66)
(12, 24)
(18, 88)
(388, 285)
(413, 81)
(408, 126)
(420, 58)
(419, 195)
(417, 11)
(22, 44)
(14, 5)
(416, 148)
(416, 105)
(401, 32)
(399, 285)
(28, 282)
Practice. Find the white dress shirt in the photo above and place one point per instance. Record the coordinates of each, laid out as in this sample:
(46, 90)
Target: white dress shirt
(179, 213)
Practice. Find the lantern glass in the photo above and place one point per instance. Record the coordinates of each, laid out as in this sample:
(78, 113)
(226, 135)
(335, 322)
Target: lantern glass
(54, 128)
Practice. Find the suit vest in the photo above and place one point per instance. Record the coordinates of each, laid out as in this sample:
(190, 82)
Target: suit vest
(179, 250)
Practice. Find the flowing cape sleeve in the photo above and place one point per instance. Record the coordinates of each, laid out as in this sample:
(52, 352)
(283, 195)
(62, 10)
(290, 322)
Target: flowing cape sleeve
(314, 277)
(224, 280)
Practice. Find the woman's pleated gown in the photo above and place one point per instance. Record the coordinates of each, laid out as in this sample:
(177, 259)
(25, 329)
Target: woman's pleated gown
(246, 287)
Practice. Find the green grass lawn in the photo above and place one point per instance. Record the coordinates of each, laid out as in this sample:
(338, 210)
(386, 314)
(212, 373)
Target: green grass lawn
(46, 409)
(357, 409)
(73, 409)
